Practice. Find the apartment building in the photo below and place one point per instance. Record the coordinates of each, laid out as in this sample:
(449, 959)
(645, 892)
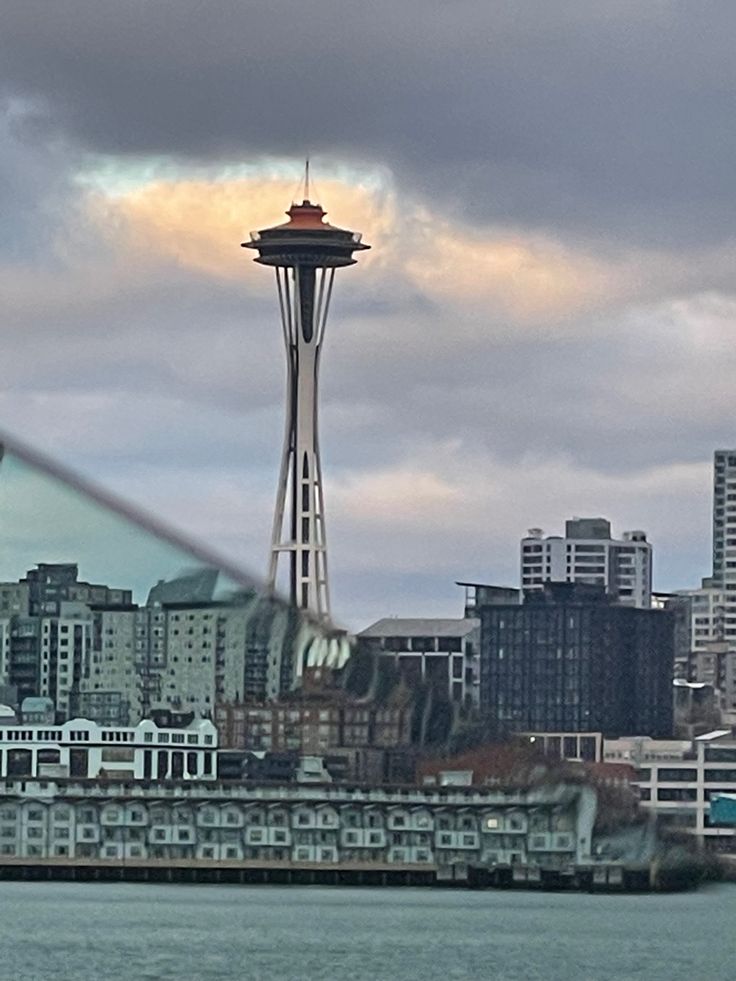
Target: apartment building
(432, 828)
(96, 654)
(588, 554)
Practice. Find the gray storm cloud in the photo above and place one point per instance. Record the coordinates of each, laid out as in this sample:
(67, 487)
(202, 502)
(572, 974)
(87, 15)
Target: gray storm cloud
(607, 126)
(608, 118)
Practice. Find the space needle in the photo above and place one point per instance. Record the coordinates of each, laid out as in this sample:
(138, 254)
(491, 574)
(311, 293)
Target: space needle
(305, 251)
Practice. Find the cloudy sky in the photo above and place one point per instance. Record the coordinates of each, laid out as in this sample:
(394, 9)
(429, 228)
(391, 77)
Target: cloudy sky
(543, 328)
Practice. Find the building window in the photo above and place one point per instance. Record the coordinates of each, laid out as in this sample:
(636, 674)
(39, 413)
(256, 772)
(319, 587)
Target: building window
(669, 774)
(676, 794)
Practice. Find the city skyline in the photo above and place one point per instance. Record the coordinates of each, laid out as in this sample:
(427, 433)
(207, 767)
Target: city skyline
(543, 328)
(423, 578)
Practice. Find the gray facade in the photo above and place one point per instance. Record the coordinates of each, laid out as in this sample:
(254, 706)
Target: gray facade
(114, 662)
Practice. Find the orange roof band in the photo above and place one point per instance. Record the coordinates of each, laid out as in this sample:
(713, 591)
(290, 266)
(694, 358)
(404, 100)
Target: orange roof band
(308, 216)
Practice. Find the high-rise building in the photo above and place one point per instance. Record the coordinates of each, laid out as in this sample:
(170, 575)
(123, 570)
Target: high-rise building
(714, 604)
(305, 252)
(568, 659)
(724, 523)
(588, 554)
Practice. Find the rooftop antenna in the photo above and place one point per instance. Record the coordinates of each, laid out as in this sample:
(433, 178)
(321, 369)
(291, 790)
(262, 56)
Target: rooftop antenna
(306, 179)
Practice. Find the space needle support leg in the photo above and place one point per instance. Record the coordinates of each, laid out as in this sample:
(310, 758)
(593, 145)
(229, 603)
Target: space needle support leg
(277, 545)
(327, 279)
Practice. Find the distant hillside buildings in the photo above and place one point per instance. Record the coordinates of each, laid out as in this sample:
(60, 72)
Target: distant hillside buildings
(96, 654)
(582, 645)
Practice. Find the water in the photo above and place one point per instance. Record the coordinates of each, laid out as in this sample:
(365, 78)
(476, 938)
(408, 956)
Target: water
(135, 932)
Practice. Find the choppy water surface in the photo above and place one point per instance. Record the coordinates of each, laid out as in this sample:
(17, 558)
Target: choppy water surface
(101, 932)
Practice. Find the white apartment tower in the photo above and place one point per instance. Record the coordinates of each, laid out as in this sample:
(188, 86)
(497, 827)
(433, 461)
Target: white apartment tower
(588, 554)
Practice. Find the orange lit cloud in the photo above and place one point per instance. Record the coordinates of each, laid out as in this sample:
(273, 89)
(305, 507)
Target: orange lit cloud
(519, 277)
(522, 278)
(201, 224)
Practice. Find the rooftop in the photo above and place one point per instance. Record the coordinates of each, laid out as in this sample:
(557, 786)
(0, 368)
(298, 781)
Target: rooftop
(420, 627)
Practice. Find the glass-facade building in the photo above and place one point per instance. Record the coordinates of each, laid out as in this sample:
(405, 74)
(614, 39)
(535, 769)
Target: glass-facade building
(569, 660)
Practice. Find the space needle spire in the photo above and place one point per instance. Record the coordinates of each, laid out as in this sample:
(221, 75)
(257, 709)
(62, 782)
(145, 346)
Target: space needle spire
(305, 251)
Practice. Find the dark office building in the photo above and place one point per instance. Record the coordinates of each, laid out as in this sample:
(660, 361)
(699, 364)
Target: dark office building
(568, 660)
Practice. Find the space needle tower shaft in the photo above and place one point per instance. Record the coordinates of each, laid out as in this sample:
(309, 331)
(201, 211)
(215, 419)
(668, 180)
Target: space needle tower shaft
(305, 252)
